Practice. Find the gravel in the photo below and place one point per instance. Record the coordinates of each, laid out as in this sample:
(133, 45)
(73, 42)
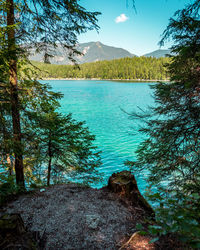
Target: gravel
(73, 217)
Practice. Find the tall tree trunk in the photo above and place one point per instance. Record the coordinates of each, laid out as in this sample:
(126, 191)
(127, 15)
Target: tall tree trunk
(14, 95)
(10, 165)
(49, 172)
(6, 151)
(49, 164)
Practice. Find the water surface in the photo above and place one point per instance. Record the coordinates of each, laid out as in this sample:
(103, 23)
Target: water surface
(104, 106)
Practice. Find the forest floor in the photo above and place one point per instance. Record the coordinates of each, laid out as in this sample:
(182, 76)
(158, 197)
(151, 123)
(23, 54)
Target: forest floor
(69, 216)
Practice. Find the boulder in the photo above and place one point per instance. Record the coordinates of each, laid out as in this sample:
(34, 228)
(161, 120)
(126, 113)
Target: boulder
(124, 184)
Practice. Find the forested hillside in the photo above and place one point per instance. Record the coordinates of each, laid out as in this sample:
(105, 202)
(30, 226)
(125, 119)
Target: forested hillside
(124, 68)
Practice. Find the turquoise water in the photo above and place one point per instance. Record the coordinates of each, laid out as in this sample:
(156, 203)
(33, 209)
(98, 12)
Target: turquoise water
(102, 104)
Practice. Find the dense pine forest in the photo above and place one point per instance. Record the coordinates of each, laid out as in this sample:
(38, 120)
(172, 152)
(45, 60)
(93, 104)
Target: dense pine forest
(147, 68)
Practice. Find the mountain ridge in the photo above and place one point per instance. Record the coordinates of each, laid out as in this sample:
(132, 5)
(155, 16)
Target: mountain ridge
(158, 53)
(91, 52)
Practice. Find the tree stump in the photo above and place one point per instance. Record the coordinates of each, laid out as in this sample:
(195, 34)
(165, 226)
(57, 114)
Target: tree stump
(124, 184)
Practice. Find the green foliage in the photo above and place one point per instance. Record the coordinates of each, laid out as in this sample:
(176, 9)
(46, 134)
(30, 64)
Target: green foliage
(171, 150)
(24, 25)
(43, 130)
(64, 147)
(177, 213)
(8, 188)
(170, 154)
(42, 24)
(147, 68)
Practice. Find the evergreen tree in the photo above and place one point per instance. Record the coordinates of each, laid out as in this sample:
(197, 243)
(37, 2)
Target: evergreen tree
(170, 155)
(65, 147)
(38, 24)
(173, 140)
(124, 68)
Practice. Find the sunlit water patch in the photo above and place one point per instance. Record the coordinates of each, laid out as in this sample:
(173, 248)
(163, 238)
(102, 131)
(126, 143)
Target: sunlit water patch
(102, 104)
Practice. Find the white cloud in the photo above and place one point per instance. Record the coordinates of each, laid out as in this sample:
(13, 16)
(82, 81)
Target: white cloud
(122, 18)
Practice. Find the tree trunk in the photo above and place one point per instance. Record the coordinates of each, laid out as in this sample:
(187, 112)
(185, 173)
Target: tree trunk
(10, 165)
(49, 172)
(14, 95)
(6, 150)
(49, 164)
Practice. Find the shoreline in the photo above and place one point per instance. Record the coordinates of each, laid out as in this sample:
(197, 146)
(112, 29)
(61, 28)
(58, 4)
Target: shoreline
(99, 79)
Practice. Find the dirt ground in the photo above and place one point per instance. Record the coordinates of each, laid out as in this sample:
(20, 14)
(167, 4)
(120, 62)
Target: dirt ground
(72, 217)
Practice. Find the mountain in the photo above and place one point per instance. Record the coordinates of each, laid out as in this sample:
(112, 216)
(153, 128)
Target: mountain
(158, 53)
(92, 52)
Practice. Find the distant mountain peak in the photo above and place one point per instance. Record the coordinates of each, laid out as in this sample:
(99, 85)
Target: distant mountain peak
(92, 52)
(99, 44)
(158, 53)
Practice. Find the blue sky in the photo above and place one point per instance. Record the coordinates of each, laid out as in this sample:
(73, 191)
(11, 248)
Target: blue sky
(120, 26)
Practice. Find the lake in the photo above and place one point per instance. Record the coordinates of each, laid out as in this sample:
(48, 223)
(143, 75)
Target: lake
(104, 106)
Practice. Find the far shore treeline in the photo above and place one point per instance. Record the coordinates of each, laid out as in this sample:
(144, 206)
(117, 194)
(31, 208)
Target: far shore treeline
(146, 68)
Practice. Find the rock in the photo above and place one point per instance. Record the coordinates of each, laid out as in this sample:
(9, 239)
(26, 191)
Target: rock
(13, 234)
(92, 221)
(124, 184)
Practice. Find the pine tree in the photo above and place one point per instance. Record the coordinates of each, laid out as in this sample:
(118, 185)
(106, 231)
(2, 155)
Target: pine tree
(170, 155)
(172, 144)
(39, 24)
